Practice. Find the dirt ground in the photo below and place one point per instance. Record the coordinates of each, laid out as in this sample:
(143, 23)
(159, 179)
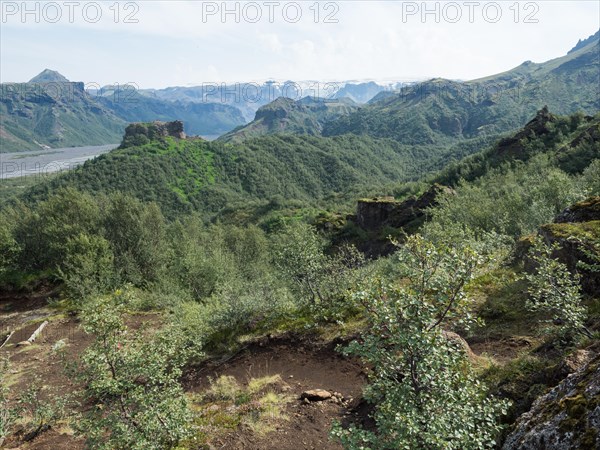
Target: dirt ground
(302, 364)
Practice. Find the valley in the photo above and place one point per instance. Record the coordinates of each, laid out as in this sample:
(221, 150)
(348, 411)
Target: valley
(385, 265)
(39, 163)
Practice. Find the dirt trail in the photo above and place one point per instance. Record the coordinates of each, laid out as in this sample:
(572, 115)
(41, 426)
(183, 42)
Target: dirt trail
(303, 366)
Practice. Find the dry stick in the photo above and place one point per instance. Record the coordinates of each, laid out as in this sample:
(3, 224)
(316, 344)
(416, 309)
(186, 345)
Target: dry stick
(7, 339)
(37, 332)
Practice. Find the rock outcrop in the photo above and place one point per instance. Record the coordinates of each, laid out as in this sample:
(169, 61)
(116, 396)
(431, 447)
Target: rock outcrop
(585, 211)
(141, 133)
(512, 147)
(566, 418)
(377, 213)
(576, 231)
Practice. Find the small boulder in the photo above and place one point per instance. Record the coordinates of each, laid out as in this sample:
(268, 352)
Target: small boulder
(316, 395)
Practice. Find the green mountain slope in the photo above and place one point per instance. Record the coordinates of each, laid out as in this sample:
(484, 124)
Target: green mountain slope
(284, 115)
(192, 174)
(50, 111)
(443, 111)
(572, 142)
(53, 114)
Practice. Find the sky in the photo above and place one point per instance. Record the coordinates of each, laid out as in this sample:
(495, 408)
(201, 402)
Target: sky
(156, 44)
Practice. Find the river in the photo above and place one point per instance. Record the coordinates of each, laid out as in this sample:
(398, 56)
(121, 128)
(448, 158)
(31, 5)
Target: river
(40, 162)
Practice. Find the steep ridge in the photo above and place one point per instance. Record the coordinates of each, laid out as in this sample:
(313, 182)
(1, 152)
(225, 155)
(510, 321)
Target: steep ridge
(51, 112)
(441, 111)
(284, 115)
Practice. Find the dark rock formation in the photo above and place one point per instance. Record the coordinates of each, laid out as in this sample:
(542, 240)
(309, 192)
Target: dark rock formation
(566, 418)
(585, 211)
(377, 213)
(142, 133)
(576, 230)
(512, 147)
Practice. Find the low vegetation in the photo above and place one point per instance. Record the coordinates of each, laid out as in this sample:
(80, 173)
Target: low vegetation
(145, 237)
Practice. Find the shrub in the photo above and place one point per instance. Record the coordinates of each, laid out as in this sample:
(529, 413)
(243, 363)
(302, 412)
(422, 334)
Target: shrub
(131, 381)
(424, 392)
(556, 292)
(88, 267)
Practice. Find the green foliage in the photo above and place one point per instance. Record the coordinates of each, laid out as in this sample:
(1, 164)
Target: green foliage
(228, 271)
(556, 292)
(209, 177)
(591, 178)
(41, 411)
(131, 381)
(88, 268)
(510, 201)
(7, 413)
(42, 232)
(424, 392)
(137, 234)
(9, 249)
(300, 256)
(320, 279)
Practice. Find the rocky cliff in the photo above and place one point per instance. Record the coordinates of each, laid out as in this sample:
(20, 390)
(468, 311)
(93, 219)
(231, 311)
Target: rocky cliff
(566, 418)
(376, 213)
(576, 231)
(141, 133)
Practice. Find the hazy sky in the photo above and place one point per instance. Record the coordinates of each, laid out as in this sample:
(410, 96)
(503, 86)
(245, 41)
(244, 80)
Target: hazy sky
(159, 44)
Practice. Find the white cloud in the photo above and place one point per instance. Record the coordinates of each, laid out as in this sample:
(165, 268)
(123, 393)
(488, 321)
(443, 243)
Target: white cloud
(174, 40)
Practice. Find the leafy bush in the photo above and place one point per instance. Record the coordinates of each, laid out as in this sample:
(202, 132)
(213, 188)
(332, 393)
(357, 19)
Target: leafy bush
(555, 291)
(423, 390)
(88, 268)
(131, 381)
(591, 178)
(510, 201)
(317, 278)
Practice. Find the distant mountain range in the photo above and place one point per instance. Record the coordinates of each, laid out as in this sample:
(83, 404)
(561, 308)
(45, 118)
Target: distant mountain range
(248, 97)
(50, 111)
(442, 111)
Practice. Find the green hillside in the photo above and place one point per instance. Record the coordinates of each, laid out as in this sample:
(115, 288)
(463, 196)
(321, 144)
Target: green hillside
(53, 114)
(194, 174)
(572, 141)
(284, 115)
(442, 111)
